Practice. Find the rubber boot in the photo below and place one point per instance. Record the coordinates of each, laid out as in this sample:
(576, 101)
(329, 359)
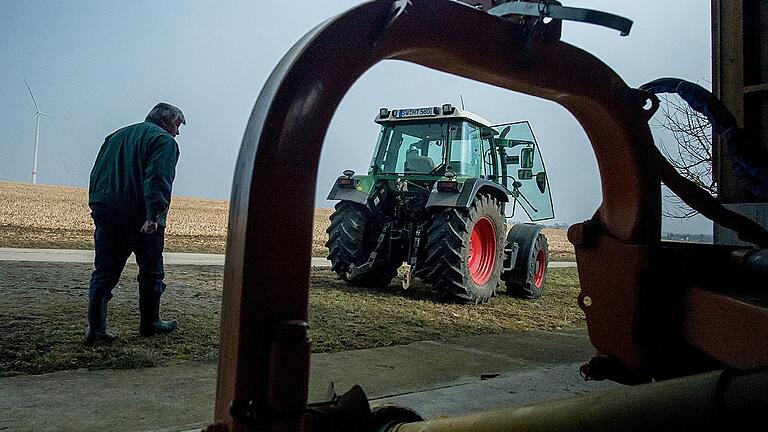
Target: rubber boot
(97, 333)
(151, 324)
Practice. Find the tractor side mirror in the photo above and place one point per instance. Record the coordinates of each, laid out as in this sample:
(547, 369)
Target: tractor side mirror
(487, 133)
(526, 155)
(541, 181)
(524, 174)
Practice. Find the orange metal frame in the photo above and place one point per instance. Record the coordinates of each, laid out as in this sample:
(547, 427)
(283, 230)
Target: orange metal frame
(264, 355)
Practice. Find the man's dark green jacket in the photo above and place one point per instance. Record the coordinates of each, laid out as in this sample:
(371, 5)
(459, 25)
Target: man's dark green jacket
(134, 172)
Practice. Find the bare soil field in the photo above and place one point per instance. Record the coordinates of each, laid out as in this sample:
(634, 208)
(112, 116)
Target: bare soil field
(43, 216)
(43, 305)
(58, 217)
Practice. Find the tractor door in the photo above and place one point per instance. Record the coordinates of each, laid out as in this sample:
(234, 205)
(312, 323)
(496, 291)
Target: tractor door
(522, 169)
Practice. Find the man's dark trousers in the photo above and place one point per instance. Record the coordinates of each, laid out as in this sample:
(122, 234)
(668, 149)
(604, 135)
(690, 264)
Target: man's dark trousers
(116, 236)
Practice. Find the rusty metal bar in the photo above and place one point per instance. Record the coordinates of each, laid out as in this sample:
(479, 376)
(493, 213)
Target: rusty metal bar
(714, 401)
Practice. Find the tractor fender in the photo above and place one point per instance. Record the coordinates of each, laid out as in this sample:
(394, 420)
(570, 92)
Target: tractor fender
(469, 189)
(347, 194)
(524, 235)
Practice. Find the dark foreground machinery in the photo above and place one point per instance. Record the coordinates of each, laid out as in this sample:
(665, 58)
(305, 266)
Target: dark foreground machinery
(435, 198)
(685, 324)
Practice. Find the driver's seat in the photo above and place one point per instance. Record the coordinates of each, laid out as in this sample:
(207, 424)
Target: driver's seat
(414, 162)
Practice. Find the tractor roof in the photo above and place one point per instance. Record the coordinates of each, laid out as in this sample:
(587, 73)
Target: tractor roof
(447, 111)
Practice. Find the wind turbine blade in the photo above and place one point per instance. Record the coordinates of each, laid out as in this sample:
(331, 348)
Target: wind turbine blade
(33, 96)
(55, 116)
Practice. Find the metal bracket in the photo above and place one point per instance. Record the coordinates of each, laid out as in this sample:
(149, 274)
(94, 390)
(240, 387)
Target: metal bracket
(372, 257)
(510, 257)
(407, 276)
(416, 244)
(541, 9)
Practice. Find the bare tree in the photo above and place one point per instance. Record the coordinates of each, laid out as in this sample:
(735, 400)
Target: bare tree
(690, 152)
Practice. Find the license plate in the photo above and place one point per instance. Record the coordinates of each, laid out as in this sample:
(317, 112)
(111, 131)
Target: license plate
(414, 112)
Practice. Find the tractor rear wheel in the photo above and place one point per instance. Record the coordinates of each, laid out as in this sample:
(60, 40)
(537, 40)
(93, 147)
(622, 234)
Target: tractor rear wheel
(465, 251)
(351, 238)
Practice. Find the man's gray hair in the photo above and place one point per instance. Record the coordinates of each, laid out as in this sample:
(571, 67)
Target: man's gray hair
(166, 115)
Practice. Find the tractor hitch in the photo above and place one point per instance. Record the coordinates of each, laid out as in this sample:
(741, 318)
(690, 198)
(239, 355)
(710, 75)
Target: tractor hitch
(358, 270)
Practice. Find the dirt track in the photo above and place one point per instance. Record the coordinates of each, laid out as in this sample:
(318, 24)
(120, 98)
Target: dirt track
(42, 318)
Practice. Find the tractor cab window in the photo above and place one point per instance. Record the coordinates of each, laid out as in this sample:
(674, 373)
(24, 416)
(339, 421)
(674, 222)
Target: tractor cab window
(466, 151)
(522, 169)
(410, 148)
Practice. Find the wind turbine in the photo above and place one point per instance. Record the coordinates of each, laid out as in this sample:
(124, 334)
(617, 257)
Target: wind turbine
(37, 132)
(66, 168)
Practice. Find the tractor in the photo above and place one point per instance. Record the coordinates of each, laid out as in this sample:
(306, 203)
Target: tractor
(435, 197)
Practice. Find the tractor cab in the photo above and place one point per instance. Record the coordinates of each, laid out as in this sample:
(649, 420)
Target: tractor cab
(432, 143)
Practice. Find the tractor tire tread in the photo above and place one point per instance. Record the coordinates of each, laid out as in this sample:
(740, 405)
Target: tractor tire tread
(444, 265)
(346, 247)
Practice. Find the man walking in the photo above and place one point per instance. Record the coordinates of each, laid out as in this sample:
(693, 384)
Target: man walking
(129, 195)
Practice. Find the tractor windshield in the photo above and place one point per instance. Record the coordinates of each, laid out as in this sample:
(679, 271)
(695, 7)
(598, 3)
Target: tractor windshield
(410, 148)
(466, 151)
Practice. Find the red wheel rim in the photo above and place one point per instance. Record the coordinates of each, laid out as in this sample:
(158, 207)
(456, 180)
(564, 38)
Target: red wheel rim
(482, 251)
(541, 268)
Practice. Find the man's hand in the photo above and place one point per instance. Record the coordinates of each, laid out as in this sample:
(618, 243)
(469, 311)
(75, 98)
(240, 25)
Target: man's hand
(149, 227)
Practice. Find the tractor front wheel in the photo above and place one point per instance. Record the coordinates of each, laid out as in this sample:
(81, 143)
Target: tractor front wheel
(465, 251)
(526, 279)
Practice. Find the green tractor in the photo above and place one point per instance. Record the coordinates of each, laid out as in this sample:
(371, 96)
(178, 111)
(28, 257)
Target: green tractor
(435, 197)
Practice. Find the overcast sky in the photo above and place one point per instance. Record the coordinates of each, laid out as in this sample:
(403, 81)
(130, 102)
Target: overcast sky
(99, 65)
